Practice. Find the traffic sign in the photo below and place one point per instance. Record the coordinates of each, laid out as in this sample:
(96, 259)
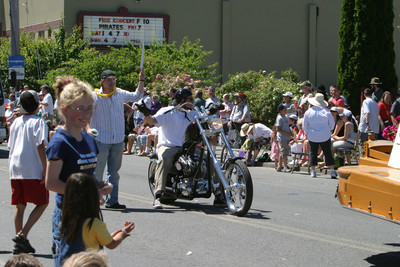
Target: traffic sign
(16, 63)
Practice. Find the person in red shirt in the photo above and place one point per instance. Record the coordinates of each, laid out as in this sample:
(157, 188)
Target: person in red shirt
(336, 99)
(384, 110)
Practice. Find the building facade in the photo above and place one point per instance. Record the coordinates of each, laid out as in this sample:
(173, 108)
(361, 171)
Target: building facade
(270, 35)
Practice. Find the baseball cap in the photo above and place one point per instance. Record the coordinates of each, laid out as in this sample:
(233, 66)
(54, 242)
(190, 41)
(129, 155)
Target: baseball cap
(280, 107)
(293, 117)
(335, 109)
(306, 83)
(107, 73)
(289, 94)
(347, 113)
(29, 102)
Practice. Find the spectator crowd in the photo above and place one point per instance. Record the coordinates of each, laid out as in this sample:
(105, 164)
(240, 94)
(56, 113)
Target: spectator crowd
(69, 144)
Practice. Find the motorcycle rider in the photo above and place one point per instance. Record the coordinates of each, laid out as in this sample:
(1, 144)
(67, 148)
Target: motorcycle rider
(172, 122)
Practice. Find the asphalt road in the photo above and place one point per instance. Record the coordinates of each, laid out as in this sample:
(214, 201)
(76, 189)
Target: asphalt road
(294, 221)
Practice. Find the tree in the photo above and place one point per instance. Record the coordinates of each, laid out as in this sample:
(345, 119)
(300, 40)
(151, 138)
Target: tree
(366, 47)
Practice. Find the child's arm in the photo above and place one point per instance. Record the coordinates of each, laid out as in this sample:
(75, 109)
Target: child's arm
(52, 173)
(120, 235)
(42, 154)
(283, 132)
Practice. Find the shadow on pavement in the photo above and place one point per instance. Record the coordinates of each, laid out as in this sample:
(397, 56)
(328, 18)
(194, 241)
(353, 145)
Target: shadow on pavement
(387, 259)
(129, 210)
(4, 153)
(211, 209)
(46, 256)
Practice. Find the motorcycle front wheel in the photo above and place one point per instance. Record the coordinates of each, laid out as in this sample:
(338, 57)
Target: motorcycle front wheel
(239, 194)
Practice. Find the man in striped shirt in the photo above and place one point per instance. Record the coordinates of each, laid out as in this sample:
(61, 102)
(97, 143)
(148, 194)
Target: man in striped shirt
(108, 120)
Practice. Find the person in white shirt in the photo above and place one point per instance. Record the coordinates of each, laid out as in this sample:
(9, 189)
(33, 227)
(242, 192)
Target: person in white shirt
(47, 104)
(369, 122)
(318, 124)
(260, 134)
(109, 121)
(172, 123)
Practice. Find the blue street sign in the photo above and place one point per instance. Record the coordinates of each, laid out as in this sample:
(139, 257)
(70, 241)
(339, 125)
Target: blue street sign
(16, 63)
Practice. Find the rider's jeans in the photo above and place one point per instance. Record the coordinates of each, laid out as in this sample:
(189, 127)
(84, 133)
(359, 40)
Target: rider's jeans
(166, 157)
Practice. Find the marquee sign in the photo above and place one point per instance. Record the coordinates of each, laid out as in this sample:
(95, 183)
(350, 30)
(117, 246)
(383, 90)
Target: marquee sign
(117, 29)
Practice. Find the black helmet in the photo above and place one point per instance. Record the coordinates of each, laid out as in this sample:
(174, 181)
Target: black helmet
(181, 94)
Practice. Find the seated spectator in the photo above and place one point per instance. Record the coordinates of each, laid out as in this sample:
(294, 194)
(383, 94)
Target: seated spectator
(297, 143)
(350, 133)
(152, 137)
(143, 141)
(10, 115)
(260, 134)
(338, 130)
(155, 104)
(293, 124)
(132, 137)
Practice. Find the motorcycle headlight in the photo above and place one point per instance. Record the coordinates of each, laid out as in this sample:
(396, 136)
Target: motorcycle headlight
(216, 124)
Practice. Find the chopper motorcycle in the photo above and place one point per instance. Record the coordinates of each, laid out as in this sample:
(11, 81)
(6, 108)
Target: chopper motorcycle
(198, 173)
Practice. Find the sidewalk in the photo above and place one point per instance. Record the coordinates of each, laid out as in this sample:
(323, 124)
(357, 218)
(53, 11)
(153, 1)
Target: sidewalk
(303, 169)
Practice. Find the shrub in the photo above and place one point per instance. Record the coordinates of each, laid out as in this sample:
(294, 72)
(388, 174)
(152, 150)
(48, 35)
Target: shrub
(264, 92)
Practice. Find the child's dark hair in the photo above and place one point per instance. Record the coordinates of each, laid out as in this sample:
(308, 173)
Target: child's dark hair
(81, 201)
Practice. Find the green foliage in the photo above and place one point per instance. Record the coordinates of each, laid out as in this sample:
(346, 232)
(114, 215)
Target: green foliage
(264, 92)
(366, 47)
(162, 84)
(43, 55)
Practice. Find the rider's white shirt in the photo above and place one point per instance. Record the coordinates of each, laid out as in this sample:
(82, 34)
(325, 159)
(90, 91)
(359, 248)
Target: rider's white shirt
(173, 124)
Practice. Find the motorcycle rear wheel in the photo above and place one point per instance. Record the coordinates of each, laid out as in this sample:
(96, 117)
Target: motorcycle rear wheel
(224, 153)
(240, 191)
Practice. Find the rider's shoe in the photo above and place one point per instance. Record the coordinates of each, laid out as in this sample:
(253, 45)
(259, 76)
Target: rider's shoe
(157, 204)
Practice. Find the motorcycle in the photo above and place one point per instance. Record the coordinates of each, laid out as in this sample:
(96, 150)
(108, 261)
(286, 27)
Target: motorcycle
(197, 172)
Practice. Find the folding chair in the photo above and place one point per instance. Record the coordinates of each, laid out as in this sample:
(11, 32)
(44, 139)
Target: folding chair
(297, 156)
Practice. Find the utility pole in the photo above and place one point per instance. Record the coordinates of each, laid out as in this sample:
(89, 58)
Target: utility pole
(14, 23)
(14, 27)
